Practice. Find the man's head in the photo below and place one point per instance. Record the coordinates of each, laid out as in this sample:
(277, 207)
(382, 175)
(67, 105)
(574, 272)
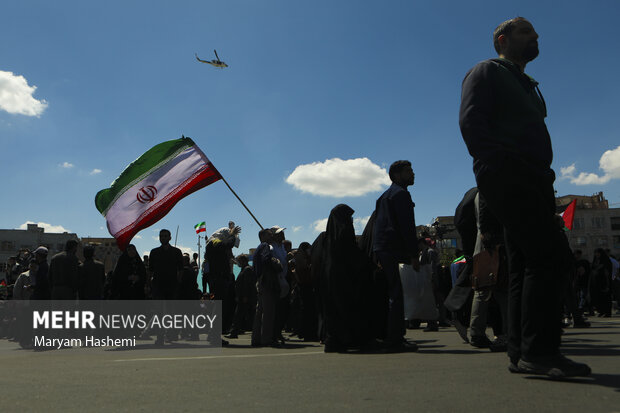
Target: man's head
(40, 251)
(71, 246)
(516, 40)
(243, 260)
(288, 245)
(33, 265)
(164, 237)
(265, 235)
(89, 252)
(40, 254)
(185, 259)
(401, 173)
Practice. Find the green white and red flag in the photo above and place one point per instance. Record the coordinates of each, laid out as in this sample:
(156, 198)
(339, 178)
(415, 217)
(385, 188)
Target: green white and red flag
(200, 227)
(151, 185)
(569, 214)
(460, 260)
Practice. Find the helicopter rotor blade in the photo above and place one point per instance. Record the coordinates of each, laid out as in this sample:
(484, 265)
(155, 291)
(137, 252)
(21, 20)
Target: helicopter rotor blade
(215, 51)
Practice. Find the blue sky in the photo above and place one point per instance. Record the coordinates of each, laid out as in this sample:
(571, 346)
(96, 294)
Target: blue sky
(308, 82)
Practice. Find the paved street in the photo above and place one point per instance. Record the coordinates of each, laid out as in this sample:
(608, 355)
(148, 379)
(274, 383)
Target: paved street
(445, 375)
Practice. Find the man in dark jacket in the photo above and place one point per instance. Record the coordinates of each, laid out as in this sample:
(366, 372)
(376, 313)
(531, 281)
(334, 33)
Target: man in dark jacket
(91, 276)
(395, 241)
(245, 293)
(502, 122)
(166, 264)
(63, 273)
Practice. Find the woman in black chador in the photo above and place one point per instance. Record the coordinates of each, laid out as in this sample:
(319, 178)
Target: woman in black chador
(129, 276)
(600, 283)
(343, 275)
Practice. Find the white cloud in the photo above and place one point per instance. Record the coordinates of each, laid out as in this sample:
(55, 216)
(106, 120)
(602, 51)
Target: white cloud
(47, 227)
(320, 225)
(16, 96)
(66, 165)
(138, 237)
(95, 171)
(568, 171)
(360, 223)
(296, 229)
(609, 164)
(339, 178)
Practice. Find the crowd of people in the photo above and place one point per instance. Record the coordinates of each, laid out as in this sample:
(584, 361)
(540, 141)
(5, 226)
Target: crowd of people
(344, 291)
(348, 292)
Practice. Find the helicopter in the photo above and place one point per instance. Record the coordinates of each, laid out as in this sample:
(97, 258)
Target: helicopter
(215, 62)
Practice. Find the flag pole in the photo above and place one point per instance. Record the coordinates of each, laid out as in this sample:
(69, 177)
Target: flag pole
(247, 209)
(198, 251)
(175, 236)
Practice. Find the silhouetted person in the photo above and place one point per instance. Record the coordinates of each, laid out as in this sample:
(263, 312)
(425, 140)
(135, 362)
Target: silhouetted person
(63, 273)
(502, 120)
(395, 241)
(91, 276)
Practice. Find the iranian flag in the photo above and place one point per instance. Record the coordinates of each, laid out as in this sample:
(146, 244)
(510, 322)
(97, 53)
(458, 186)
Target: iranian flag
(201, 227)
(460, 260)
(569, 214)
(152, 185)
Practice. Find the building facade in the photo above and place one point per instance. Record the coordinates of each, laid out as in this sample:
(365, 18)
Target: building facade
(595, 225)
(12, 241)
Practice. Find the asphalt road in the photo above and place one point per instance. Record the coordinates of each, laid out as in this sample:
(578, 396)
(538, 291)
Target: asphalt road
(444, 375)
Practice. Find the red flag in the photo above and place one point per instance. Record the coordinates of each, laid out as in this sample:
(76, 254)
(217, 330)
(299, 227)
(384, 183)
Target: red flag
(569, 214)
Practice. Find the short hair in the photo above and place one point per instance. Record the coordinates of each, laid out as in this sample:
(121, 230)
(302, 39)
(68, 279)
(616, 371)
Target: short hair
(71, 244)
(304, 246)
(504, 28)
(263, 234)
(165, 231)
(396, 167)
(88, 251)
